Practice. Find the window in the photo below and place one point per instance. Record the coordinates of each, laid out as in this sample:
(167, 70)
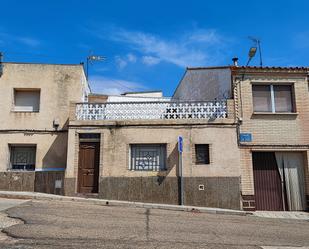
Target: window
(202, 154)
(26, 100)
(22, 157)
(148, 157)
(272, 98)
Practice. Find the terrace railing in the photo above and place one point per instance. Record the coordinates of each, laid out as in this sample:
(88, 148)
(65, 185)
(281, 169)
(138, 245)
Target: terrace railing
(151, 110)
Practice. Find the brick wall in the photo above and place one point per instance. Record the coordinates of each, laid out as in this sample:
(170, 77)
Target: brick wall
(271, 132)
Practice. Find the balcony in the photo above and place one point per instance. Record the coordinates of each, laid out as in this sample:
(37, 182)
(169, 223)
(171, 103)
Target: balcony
(114, 111)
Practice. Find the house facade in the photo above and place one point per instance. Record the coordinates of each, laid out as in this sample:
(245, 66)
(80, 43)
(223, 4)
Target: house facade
(35, 100)
(129, 151)
(244, 137)
(271, 115)
(272, 106)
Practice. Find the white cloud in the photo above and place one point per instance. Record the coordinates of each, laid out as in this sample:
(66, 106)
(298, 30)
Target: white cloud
(123, 61)
(150, 60)
(193, 48)
(208, 37)
(7, 38)
(113, 86)
(31, 42)
(131, 57)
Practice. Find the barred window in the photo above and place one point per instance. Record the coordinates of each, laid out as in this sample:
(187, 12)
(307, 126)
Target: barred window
(22, 157)
(148, 157)
(202, 154)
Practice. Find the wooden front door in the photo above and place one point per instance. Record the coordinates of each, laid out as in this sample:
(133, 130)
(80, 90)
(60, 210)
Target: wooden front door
(267, 182)
(88, 167)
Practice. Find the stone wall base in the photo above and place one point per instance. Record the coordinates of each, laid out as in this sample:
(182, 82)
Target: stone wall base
(17, 181)
(45, 182)
(221, 192)
(49, 182)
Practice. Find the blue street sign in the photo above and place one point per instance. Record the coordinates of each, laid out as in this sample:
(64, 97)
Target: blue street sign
(180, 144)
(245, 137)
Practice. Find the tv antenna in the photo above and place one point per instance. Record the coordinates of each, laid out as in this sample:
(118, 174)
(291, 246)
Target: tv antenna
(91, 58)
(253, 50)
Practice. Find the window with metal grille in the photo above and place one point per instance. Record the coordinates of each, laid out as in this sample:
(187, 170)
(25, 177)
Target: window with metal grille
(22, 157)
(272, 98)
(202, 154)
(148, 157)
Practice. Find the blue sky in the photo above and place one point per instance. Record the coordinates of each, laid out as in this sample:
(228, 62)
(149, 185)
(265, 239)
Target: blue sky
(148, 44)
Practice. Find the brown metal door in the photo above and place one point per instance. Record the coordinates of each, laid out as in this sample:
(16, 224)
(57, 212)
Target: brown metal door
(88, 167)
(267, 182)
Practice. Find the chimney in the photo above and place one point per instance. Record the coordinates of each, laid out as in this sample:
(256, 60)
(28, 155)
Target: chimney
(235, 61)
(1, 64)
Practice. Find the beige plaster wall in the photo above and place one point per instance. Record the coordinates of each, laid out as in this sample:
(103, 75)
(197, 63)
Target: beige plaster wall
(51, 149)
(59, 85)
(115, 149)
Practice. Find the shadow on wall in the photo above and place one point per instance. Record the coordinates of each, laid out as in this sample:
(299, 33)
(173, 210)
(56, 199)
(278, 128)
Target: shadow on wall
(56, 156)
(172, 161)
(52, 181)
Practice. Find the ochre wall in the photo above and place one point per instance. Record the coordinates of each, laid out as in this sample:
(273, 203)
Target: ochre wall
(59, 85)
(115, 141)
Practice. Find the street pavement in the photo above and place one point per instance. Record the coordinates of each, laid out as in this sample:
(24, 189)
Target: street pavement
(5, 221)
(8, 203)
(68, 224)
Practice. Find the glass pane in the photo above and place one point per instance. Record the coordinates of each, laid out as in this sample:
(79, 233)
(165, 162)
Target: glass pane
(261, 98)
(23, 158)
(148, 157)
(283, 98)
(28, 101)
(202, 153)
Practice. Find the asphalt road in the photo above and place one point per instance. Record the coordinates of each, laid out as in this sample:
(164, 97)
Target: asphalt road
(59, 224)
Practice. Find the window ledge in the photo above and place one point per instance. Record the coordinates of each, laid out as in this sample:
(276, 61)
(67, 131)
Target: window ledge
(20, 171)
(25, 111)
(276, 113)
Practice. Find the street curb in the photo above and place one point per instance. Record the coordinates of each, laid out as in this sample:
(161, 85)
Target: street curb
(104, 202)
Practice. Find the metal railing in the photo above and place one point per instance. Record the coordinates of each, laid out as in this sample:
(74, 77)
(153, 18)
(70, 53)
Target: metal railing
(151, 110)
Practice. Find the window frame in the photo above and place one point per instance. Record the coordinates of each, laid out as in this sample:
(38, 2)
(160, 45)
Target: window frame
(12, 146)
(196, 162)
(162, 147)
(272, 97)
(36, 90)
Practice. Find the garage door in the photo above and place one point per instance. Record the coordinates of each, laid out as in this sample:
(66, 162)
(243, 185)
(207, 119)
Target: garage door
(267, 182)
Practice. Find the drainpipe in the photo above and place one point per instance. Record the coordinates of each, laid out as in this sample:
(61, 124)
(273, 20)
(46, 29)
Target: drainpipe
(1, 64)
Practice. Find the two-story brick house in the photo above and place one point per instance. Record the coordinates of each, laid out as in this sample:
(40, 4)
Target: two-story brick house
(272, 106)
(271, 113)
(35, 100)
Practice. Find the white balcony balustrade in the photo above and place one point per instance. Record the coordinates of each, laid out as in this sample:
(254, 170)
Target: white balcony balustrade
(151, 110)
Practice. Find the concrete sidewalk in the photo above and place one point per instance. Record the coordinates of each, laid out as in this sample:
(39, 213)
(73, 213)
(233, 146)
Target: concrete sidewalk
(295, 215)
(43, 196)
